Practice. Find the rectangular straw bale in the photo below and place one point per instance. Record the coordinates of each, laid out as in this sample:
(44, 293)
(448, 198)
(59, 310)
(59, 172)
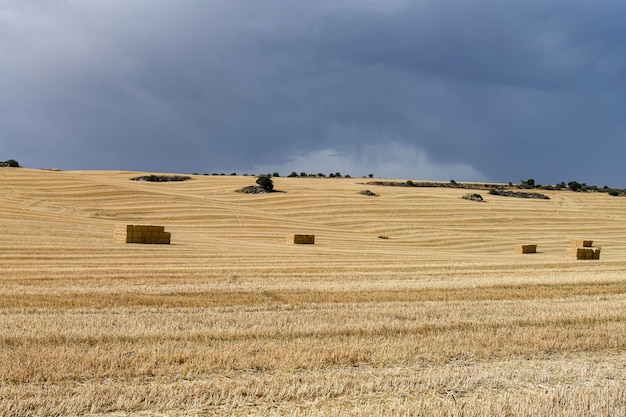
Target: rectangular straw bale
(584, 253)
(526, 249)
(301, 239)
(141, 234)
(582, 243)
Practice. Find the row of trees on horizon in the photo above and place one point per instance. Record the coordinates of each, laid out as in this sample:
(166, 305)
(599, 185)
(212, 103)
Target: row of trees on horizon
(524, 184)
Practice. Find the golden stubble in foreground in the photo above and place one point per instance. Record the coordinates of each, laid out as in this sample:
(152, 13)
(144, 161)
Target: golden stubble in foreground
(440, 317)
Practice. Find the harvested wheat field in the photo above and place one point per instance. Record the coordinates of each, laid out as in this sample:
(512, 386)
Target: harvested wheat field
(411, 302)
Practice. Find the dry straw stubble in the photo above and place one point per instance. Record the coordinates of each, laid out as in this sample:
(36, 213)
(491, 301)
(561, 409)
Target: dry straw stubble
(441, 319)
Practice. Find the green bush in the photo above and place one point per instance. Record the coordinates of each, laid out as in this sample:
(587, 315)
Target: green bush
(10, 163)
(574, 186)
(265, 182)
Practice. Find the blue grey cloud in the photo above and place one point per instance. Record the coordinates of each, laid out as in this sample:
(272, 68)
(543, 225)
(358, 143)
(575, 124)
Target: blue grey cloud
(485, 90)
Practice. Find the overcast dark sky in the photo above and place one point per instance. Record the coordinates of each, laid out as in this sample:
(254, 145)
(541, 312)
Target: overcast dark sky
(485, 90)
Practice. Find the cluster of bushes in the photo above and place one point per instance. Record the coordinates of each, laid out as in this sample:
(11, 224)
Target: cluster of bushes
(221, 174)
(571, 186)
(519, 194)
(10, 163)
(496, 189)
(161, 178)
(451, 184)
(294, 174)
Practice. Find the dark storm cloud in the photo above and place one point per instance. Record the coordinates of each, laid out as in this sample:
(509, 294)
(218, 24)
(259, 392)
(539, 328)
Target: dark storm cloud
(481, 90)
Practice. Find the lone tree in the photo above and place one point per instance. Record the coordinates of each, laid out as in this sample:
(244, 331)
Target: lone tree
(265, 182)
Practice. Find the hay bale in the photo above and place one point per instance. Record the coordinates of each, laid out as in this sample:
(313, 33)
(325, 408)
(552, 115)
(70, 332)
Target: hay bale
(526, 249)
(584, 253)
(141, 234)
(301, 239)
(582, 243)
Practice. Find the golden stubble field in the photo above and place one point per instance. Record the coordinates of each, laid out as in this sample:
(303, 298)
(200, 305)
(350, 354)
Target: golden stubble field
(442, 318)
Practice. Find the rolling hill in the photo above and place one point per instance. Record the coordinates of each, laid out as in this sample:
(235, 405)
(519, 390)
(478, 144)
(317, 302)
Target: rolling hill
(410, 300)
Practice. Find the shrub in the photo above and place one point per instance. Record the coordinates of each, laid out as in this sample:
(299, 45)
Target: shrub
(161, 178)
(10, 163)
(574, 186)
(265, 182)
(368, 193)
(473, 197)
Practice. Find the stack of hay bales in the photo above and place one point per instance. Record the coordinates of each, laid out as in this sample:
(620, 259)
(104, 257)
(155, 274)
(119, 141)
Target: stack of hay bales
(301, 239)
(130, 233)
(526, 249)
(583, 249)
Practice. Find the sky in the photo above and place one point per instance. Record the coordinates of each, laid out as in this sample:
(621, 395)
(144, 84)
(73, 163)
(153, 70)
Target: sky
(481, 90)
